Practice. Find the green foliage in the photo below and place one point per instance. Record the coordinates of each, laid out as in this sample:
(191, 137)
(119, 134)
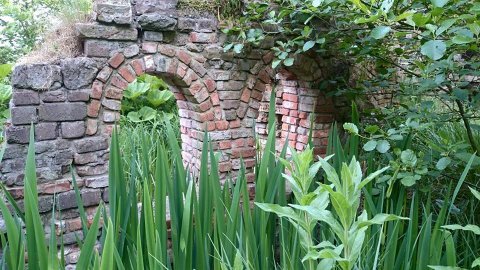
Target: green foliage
(5, 95)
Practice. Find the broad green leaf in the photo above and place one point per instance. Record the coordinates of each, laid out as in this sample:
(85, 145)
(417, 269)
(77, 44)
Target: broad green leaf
(462, 39)
(421, 19)
(288, 62)
(444, 26)
(351, 128)
(471, 228)
(157, 98)
(476, 262)
(136, 89)
(408, 180)
(443, 163)
(475, 28)
(5, 69)
(367, 19)
(439, 3)
(238, 48)
(408, 157)
(276, 62)
(144, 114)
(379, 219)
(317, 3)
(279, 210)
(438, 267)
(360, 5)
(386, 5)
(434, 49)
(380, 32)
(371, 129)
(308, 45)
(383, 146)
(154, 82)
(475, 193)
(370, 145)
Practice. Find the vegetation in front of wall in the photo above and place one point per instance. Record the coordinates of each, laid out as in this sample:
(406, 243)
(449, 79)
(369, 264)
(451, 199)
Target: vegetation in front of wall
(223, 9)
(214, 227)
(5, 95)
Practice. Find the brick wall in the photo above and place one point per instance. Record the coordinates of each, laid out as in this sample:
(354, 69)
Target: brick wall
(74, 103)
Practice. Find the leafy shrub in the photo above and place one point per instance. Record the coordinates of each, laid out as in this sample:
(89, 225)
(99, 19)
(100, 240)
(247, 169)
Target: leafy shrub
(148, 102)
(5, 95)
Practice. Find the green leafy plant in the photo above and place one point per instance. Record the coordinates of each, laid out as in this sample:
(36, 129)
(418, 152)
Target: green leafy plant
(5, 95)
(344, 194)
(145, 97)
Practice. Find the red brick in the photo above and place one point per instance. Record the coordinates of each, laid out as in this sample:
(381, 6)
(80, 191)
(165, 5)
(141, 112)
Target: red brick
(293, 113)
(52, 188)
(210, 126)
(16, 192)
(195, 87)
(302, 115)
(119, 82)
(215, 99)
(184, 56)
(251, 141)
(283, 111)
(302, 138)
(166, 50)
(114, 93)
(264, 76)
(138, 66)
(92, 127)
(172, 66)
(290, 105)
(246, 95)
(300, 146)
(116, 60)
(205, 106)
(235, 123)
(203, 37)
(221, 125)
(97, 90)
(149, 47)
(225, 166)
(127, 73)
(290, 97)
(190, 77)
(290, 120)
(93, 108)
(268, 57)
(225, 144)
(210, 84)
(243, 152)
(239, 143)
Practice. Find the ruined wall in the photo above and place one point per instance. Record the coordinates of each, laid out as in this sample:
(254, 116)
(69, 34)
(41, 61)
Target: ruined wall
(74, 103)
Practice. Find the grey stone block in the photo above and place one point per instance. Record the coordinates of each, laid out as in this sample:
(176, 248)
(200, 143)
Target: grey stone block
(103, 48)
(153, 36)
(36, 76)
(54, 96)
(79, 72)
(91, 144)
(46, 131)
(157, 22)
(58, 112)
(119, 14)
(24, 115)
(25, 97)
(144, 6)
(71, 130)
(79, 95)
(110, 32)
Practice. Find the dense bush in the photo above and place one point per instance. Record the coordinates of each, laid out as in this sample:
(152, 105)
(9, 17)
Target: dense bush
(5, 95)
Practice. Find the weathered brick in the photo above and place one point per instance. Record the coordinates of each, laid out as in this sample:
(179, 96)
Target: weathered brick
(91, 144)
(116, 60)
(196, 37)
(112, 104)
(62, 111)
(46, 131)
(25, 98)
(149, 47)
(54, 96)
(97, 90)
(119, 82)
(79, 95)
(36, 76)
(93, 108)
(71, 130)
(114, 93)
(138, 66)
(92, 126)
(108, 32)
(127, 73)
(24, 115)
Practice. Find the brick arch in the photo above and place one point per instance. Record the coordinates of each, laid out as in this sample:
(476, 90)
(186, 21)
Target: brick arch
(74, 102)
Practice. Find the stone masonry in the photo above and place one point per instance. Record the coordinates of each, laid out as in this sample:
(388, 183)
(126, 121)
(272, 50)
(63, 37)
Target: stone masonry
(74, 103)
